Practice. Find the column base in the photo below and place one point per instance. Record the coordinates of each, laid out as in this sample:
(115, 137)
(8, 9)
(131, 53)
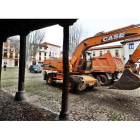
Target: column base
(64, 116)
(20, 96)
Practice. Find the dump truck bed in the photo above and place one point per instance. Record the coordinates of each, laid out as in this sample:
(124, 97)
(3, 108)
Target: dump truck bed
(107, 63)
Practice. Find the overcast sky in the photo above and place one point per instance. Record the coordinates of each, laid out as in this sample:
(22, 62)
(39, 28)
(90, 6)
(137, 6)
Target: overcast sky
(54, 34)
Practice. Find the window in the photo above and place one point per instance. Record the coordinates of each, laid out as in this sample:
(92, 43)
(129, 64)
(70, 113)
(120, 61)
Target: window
(11, 55)
(50, 54)
(45, 54)
(101, 53)
(16, 55)
(39, 53)
(108, 51)
(44, 57)
(93, 53)
(11, 49)
(45, 48)
(117, 52)
(131, 46)
(39, 58)
(5, 54)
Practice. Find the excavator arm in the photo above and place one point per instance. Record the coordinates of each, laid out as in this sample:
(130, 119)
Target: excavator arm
(103, 38)
(133, 59)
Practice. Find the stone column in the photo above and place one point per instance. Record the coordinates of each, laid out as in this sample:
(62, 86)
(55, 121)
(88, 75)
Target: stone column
(20, 94)
(64, 114)
(1, 50)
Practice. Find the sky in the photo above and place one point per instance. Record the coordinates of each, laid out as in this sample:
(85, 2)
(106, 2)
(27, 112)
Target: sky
(54, 34)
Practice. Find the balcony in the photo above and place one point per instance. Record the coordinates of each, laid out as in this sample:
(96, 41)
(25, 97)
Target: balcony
(41, 48)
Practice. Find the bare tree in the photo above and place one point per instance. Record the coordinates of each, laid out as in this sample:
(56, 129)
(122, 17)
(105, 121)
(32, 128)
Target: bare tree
(33, 41)
(15, 42)
(76, 35)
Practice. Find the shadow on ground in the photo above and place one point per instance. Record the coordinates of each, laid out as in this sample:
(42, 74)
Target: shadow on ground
(11, 110)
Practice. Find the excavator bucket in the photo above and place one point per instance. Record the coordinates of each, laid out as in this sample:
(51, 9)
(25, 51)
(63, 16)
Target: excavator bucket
(128, 81)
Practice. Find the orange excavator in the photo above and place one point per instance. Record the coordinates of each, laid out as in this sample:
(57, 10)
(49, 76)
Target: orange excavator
(79, 78)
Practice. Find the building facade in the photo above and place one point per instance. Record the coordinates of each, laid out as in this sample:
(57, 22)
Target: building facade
(129, 46)
(46, 50)
(115, 50)
(10, 55)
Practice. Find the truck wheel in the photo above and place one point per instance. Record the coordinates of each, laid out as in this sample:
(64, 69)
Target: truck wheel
(49, 79)
(102, 80)
(110, 81)
(72, 85)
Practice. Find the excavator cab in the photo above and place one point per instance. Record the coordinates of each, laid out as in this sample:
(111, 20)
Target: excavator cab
(87, 65)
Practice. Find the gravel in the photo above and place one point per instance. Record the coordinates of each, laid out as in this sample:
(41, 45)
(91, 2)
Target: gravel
(99, 104)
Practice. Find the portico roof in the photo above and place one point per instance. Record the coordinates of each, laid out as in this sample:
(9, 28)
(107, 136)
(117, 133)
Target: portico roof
(11, 27)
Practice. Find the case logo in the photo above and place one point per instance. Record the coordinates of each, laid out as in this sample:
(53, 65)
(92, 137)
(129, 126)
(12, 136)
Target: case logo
(116, 36)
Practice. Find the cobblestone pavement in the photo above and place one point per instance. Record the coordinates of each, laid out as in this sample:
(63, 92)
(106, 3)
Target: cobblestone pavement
(11, 110)
(99, 104)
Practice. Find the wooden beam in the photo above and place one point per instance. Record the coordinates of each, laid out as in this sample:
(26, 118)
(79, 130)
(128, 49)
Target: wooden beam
(21, 25)
(20, 94)
(64, 114)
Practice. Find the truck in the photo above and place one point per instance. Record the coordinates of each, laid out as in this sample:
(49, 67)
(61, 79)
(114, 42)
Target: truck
(106, 68)
(79, 66)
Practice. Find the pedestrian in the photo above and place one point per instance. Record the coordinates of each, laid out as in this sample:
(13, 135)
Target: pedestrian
(4, 67)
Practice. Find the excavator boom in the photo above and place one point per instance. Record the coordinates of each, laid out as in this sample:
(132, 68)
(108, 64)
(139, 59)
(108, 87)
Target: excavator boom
(103, 38)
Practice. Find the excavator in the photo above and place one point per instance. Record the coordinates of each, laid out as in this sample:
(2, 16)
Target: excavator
(80, 67)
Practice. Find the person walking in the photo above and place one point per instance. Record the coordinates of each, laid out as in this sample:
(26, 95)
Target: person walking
(4, 67)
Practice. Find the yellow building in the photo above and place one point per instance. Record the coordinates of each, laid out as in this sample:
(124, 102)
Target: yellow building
(115, 50)
(10, 56)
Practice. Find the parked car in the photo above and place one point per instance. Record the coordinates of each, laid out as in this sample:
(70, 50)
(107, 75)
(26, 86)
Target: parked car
(34, 68)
